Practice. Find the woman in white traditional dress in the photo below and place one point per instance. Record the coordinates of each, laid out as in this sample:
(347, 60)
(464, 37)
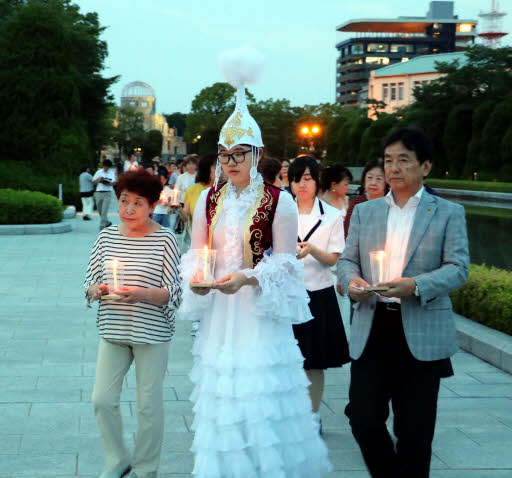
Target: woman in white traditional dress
(253, 416)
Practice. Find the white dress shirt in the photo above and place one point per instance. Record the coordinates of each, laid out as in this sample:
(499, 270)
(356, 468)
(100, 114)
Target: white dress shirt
(110, 174)
(399, 227)
(183, 182)
(329, 237)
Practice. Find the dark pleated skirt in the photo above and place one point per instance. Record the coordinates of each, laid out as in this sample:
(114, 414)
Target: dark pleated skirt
(323, 341)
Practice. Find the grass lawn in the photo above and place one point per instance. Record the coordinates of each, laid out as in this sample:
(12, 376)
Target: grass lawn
(490, 186)
(488, 211)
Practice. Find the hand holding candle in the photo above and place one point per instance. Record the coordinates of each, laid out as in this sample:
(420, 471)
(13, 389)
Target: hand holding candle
(205, 267)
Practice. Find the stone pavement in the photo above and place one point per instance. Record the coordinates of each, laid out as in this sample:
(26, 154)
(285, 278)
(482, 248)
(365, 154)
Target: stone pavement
(48, 344)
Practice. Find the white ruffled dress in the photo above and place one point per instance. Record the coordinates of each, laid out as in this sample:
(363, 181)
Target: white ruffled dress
(253, 414)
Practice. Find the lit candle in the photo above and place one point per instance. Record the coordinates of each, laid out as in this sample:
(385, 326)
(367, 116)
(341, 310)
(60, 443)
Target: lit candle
(205, 263)
(114, 271)
(380, 259)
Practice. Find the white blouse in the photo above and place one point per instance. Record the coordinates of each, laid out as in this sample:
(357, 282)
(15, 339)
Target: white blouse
(281, 294)
(329, 236)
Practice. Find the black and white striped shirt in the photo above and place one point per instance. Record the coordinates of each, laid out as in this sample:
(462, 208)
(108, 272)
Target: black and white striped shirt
(150, 261)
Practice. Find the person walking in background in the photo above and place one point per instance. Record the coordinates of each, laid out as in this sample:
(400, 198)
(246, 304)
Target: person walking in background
(270, 169)
(138, 327)
(401, 340)
(322, 341)
(334, 183)
(188, 178)
(204, 180)
(86, 192)
(173, 174)
(161, 214)
(130, 164)
(104, 180)
(285, 183)
(373, 186)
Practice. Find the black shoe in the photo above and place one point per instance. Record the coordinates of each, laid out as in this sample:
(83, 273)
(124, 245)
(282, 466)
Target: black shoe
(86, 218)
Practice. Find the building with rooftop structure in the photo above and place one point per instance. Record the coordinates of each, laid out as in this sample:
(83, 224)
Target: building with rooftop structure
(142, 97)
(394, 84)
(376, 43)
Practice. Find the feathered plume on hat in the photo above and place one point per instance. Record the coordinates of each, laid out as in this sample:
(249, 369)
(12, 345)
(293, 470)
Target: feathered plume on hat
(241, 67)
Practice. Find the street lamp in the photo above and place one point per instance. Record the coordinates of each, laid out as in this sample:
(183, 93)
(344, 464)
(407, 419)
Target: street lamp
(308, 133)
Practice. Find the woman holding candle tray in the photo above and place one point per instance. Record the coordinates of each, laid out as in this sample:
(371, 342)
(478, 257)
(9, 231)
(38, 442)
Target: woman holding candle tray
(137, 327)
(252, 412)
(322, 341)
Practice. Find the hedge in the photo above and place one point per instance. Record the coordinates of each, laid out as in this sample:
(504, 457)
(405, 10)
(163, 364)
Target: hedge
(486, 297)
(29, 207)
(21, 175)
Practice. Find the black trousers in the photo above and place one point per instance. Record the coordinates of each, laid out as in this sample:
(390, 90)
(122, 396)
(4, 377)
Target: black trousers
(387, 372)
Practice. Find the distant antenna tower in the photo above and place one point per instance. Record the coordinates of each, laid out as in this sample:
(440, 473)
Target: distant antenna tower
(492, 28)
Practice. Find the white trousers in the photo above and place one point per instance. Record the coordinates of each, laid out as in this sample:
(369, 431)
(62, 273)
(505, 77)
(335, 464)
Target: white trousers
(87, 205)
(114, 360)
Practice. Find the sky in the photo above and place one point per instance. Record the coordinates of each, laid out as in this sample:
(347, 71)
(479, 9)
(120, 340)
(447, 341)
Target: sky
(174, 45)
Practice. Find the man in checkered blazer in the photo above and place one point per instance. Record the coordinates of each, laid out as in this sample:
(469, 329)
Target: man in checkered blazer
(402, 337)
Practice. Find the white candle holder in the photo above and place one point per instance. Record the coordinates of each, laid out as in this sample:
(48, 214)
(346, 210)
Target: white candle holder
(379, 266)
(205, 267)
(114, 272)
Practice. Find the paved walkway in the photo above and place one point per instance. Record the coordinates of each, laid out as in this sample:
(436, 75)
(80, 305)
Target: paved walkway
(48, 344)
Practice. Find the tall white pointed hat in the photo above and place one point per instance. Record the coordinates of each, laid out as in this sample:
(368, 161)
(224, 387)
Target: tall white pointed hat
(241, 67)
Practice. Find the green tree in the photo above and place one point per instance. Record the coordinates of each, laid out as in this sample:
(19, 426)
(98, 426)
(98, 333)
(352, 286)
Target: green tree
(506, 155)
(210, 110)
(480, 116)
(373, 137)
(129, 132)
(152, 145)
(277, 120)
(178, 121)
(52, 94)
(457, 134)
(494, 130)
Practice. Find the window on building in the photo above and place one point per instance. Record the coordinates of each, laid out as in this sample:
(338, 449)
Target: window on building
(400, 91)
(377, 48)
(385, 88)
(133, 103)
(144, 104)
(405, 59)
(395, 48)
(381, 60)
(392, 91)
(168, 145)
(357, 49)
(417, 84)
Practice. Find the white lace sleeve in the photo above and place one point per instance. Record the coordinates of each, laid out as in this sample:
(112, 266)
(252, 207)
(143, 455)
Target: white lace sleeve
(193, 306)
(281, 291)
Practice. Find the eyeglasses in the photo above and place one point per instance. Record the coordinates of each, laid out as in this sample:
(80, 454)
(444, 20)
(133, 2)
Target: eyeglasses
(238, 157)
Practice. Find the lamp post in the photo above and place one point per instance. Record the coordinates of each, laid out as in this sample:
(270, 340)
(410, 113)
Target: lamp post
(308, 134)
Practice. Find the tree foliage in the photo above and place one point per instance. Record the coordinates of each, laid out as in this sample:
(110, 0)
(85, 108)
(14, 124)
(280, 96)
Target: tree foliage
(129, 132)
(178, 121)
(54, 103)
(152, 145)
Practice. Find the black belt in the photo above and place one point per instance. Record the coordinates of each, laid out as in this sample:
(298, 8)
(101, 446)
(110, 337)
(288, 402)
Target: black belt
(390, 306)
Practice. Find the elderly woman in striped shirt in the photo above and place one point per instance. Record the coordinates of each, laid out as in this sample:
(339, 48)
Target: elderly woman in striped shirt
(138, 327)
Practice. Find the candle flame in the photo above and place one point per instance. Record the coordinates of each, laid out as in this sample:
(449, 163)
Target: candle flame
(381, 255)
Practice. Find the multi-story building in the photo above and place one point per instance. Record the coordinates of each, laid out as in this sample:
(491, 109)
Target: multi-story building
(142, 97)
(395, 84)
(376, 43)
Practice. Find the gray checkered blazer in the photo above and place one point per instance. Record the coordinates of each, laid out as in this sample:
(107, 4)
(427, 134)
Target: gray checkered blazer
(437, 259)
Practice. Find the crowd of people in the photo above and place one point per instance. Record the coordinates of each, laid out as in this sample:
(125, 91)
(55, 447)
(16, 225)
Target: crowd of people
(285, 236)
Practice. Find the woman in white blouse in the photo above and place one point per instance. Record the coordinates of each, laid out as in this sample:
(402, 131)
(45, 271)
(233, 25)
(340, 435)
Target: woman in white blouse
(138, 327)
(322, 341)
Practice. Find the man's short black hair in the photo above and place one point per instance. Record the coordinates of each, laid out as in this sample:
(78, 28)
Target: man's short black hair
(107, 163)
(414, 139)
(299, 165)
